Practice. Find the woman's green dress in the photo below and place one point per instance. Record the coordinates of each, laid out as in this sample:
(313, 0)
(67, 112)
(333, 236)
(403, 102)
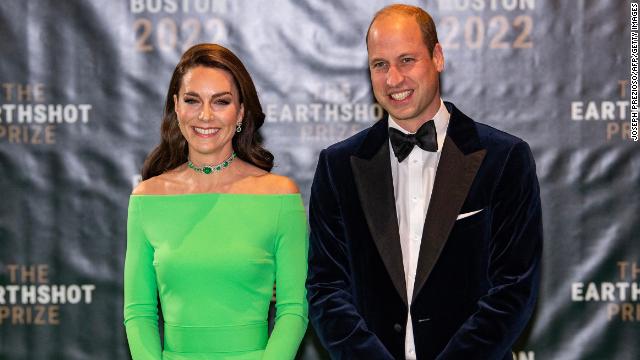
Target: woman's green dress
(212, 259)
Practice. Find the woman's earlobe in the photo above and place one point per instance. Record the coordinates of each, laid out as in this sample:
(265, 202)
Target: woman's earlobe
(241, 113)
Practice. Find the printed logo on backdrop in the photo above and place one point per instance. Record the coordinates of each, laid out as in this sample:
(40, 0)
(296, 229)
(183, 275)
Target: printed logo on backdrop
(29, 298)
(332, 117)
(610, 115)
(26, 117)
(620, 297)
(176, 25)
(504, 24)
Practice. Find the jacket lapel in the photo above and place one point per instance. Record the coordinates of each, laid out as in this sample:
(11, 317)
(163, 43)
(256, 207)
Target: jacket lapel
(461, 157)
(372, 173)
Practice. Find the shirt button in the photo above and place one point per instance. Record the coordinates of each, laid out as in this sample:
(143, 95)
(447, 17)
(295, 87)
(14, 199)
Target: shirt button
(412, 352)
(414, 199)
(397, 327)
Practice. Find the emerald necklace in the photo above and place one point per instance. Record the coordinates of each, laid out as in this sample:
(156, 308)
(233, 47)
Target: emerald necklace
(208, 169)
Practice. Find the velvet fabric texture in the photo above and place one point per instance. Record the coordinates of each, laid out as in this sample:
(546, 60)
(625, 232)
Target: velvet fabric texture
(477, 277)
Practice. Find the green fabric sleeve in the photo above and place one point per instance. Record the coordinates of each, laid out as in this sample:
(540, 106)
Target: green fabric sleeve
(140, 291)
(291, 249)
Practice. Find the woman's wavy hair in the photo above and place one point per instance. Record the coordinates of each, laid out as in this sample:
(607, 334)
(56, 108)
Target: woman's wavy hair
(173, 150)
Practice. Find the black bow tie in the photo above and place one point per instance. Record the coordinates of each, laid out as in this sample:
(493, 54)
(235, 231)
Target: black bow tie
(425, 138)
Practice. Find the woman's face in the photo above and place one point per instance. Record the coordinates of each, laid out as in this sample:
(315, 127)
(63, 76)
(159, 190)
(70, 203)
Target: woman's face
(208, 109)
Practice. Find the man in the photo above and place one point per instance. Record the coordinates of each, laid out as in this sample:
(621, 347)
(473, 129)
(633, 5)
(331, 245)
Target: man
(426, 251)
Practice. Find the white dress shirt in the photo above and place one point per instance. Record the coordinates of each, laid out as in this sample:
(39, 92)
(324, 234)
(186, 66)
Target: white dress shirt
(412, 184)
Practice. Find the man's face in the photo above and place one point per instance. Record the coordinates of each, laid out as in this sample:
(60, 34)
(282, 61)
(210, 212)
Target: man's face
(404, 75)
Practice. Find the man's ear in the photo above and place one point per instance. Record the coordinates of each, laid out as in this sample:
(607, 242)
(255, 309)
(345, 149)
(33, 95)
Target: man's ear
(438, 57)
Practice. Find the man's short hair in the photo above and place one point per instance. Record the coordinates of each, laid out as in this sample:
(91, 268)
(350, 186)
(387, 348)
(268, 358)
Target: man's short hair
(423, 19)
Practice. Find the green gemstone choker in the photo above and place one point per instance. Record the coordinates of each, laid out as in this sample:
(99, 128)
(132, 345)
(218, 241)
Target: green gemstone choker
(208, 169)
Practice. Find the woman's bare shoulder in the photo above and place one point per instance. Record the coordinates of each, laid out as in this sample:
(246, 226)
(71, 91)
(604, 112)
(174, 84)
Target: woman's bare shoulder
(148, 187)
(278, 184)
(157, 185)
(260, 181)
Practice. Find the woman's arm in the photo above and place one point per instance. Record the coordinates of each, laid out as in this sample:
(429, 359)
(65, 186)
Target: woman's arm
(140, 291)
(291, 273)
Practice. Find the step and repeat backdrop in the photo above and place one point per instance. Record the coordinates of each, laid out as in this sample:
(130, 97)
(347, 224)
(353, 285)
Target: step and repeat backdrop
(82, 84)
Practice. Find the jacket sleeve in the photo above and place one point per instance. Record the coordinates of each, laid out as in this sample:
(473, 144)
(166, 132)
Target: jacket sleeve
(291, 270)
(332, 310)
(140, 291)
(514, 265)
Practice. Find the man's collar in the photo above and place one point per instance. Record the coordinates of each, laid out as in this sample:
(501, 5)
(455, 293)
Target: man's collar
(441, 119)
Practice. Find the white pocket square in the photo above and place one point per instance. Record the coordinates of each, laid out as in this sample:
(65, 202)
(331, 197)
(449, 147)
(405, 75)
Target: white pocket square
(462, 216)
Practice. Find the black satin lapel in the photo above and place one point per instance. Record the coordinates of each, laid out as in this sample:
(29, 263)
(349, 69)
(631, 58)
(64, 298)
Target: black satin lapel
(375, 189)
(454, 177)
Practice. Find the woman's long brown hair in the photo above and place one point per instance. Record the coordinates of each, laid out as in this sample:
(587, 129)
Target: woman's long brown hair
(173, 150)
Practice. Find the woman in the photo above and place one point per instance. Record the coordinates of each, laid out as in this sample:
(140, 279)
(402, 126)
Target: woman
(210, 228)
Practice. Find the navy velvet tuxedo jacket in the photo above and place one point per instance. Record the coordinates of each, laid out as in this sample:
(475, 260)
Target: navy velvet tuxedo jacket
(477, 277)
